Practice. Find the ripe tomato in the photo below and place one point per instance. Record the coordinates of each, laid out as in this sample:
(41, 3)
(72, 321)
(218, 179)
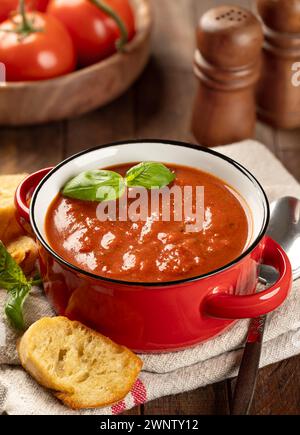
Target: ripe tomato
(38, 5)
(94, 33)
(8, 6)
(39, 55)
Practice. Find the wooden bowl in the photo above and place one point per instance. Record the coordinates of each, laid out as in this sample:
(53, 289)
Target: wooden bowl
(35, 102)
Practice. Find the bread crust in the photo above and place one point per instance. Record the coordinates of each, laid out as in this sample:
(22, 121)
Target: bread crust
(74, 396)
(9, 227)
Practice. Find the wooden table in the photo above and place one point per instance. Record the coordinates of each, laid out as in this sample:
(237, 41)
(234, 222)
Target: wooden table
(159, 105)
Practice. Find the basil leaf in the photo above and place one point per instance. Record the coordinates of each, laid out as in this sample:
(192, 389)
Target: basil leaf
(149, 175)
(36, 280)
(15, 282)
(95, 185)
(14, 305)
(11, 275)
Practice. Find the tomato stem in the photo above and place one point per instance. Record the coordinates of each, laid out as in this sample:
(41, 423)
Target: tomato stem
(26, 27)
(120, 43)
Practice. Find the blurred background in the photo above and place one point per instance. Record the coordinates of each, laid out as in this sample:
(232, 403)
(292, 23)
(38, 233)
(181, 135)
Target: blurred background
(158, 105)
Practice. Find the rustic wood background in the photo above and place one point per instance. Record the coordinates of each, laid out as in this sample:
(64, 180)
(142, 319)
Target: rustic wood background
(159, 105)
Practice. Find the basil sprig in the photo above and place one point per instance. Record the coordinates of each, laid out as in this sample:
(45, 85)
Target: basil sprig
(103, 185)
(150, 175)
(18, 287)
(96, 185)
(14, 305)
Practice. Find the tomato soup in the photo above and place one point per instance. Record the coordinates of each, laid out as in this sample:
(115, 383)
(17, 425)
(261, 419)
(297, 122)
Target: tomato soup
(151, 250)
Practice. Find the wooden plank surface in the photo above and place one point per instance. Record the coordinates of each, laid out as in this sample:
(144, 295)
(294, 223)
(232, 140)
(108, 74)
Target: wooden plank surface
(159, 105)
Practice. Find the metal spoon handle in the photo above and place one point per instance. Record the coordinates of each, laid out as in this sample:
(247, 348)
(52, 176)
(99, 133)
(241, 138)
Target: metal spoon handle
(247, 376)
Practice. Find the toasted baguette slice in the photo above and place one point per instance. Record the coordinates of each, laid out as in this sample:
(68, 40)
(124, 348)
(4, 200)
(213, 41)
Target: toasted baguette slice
(24, 251)
(9, 227)
(86, 369)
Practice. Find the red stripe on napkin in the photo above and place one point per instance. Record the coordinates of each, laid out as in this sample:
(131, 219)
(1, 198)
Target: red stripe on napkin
(118, 408)
(139, 393)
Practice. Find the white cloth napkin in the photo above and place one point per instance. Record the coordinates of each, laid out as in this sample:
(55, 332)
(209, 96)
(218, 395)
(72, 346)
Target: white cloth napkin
(177, 372)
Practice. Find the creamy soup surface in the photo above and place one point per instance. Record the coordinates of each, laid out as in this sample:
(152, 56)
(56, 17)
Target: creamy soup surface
(151, 250)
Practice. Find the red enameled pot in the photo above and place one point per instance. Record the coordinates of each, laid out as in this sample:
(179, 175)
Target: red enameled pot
(171, 315)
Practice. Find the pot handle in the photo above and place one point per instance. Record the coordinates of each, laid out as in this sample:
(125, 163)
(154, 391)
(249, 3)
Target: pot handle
(23, 194)
(226, 306)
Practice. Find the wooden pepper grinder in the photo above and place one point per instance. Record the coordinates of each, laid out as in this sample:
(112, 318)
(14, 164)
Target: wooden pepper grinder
(227, 64)
(278, 94)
